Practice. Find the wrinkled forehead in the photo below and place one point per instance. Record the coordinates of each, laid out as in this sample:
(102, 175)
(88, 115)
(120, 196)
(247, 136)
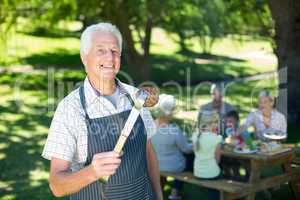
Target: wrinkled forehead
(104, 39)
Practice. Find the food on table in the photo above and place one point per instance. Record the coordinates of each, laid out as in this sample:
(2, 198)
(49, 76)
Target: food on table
(270, 146)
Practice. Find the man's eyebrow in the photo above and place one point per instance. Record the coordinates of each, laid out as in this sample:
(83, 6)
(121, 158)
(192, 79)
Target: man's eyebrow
(114, 46)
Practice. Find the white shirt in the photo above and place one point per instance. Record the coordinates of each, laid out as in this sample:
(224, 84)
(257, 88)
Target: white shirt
(169, 143)
(67, 138)
(255, 119)
(205, 164)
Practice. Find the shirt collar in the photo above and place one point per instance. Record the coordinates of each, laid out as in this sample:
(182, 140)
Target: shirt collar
(92, 94)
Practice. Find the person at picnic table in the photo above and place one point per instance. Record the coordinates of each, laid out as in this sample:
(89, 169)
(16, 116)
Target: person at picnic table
(207, 149)
(233, 166)
(217, 104)
(87, 124)
(170, 143)
(232, 123)
(265, 117)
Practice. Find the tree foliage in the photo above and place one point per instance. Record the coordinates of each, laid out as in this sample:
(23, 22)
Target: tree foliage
(205, 20)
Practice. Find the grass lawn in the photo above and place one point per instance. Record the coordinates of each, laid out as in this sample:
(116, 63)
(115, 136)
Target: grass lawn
(26, 115)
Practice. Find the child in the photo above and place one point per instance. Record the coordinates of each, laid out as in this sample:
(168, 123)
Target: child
(170, 143)
(231, 123)
(232, 127)
(233, 166)
(208, 150)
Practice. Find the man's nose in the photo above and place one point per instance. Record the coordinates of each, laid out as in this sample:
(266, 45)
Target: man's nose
(109, 55)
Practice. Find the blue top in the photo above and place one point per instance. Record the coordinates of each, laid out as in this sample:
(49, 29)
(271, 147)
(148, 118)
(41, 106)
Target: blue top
(169, 143)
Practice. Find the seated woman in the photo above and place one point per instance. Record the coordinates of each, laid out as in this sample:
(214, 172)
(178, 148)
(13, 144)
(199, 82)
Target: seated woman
(170, 143)
(207, 150)
(265, 117)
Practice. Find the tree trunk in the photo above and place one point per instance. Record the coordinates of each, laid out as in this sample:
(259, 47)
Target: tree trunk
(182, 38)
(147, 39)
(286, 15)
(138, 66)
(137, 62)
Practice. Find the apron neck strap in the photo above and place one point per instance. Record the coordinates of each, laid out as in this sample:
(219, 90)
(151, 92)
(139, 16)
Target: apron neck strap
(124, 91)
(83, 101)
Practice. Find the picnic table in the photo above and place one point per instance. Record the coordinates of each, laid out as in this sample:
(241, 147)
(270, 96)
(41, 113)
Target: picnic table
(234, 189)
(257, 162)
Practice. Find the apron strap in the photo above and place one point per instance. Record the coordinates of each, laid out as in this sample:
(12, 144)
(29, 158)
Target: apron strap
(124, 91)
(82, 100)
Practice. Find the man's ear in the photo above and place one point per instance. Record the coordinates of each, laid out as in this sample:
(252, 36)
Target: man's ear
(83, 58)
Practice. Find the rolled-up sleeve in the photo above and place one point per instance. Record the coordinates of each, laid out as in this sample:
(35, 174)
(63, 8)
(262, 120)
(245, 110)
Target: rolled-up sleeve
(61, 142)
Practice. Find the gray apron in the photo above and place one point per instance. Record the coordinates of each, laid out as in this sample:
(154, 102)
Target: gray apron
(131, 180)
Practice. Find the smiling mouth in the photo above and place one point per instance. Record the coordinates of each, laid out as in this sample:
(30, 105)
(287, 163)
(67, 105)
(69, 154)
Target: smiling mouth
(104, 67)
(109, 69)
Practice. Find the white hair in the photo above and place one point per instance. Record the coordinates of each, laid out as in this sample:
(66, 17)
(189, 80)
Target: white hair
(266, 93)
(86, 36)
(166, 104)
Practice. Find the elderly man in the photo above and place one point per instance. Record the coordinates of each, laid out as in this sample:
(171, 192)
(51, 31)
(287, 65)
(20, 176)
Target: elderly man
(87, 124)
(217, 105)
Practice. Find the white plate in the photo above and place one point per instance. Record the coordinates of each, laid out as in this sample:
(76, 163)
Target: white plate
(244, 152)
(273, 134)
(275, 137)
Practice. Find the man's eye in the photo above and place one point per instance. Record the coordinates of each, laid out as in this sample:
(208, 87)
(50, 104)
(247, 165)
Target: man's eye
(102, 51)
(116, 52)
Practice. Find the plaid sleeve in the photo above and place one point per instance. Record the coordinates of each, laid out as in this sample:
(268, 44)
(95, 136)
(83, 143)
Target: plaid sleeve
(61, 143)
(149, 123)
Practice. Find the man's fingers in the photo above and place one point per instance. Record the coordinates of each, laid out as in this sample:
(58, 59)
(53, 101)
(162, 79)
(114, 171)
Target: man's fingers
(108, 160)
(110, 167)
(110, 154)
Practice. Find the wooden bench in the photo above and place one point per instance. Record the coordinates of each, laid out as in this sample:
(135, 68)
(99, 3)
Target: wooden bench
(228, 189)
(296, 161)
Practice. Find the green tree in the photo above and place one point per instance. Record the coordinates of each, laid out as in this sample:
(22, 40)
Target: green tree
(286, 15)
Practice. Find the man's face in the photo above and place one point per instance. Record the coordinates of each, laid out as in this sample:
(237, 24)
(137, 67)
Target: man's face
(103, 58)
(217, 96)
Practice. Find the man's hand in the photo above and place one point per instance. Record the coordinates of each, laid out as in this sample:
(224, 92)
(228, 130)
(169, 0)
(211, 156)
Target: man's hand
(63, 182)
(105, 164)
(152, 99)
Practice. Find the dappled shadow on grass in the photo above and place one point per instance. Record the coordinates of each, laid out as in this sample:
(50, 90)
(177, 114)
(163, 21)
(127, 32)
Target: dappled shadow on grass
(22, 155)
(22, 168)
(40, 82)
(164, 67)
(58, 58)
(170, 68)
(52, 33)
(192, 54)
